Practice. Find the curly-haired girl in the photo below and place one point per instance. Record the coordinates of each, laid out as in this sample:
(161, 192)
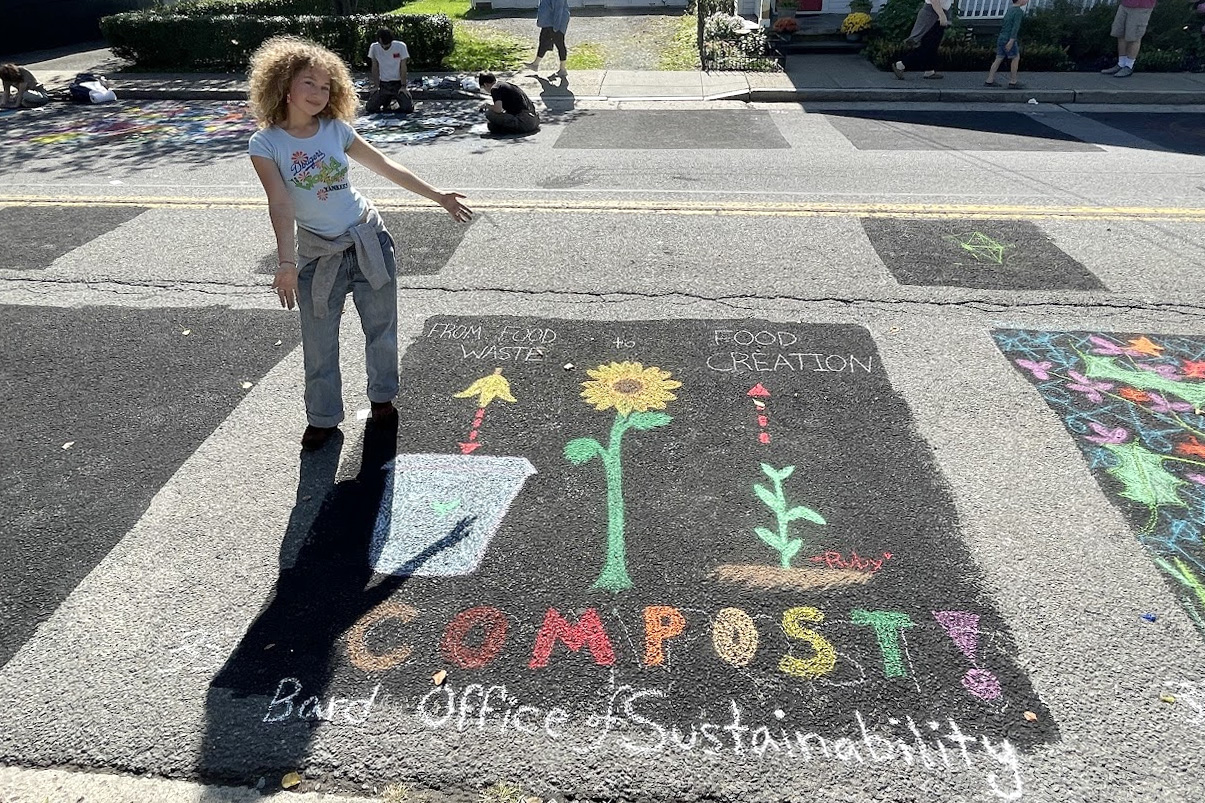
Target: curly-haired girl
(303, 99)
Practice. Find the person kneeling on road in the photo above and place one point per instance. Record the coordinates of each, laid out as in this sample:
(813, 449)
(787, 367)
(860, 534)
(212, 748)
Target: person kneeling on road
(388, 57)
(28, 92)
(512, 111)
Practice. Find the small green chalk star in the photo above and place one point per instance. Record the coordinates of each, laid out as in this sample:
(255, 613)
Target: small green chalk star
(982, 247)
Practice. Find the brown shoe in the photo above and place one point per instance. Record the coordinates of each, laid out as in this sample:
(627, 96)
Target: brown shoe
(314, 438)
(383, 412)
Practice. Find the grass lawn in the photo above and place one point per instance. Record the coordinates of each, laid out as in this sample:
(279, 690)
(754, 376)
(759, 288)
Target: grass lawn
(455, 9)
(682, 53)
(586, 56)
(475, 49)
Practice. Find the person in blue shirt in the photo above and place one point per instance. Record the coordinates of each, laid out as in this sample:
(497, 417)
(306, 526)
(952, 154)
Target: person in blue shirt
(552, 18)
(330, 239)
(1008, 45)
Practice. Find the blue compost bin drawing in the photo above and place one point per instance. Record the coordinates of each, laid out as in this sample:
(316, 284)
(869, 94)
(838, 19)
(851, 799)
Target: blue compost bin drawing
(441, 511)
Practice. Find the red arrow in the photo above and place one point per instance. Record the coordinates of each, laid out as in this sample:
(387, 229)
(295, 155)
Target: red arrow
(757, 393)
(473, 444)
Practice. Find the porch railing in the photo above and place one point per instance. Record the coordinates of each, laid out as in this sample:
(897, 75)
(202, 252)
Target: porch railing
(994, 9)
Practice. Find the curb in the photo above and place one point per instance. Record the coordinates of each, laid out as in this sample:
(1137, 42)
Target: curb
(776, 95)
(1001, 95)
(167, 93)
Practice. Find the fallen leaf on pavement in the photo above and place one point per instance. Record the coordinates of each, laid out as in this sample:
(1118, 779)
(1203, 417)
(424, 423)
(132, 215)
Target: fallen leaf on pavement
(186, 332)
(68, 444)
(1167, 698)
(277, 343)
(290, 780)
(439, 677)
(1031, 716)
(247, 386)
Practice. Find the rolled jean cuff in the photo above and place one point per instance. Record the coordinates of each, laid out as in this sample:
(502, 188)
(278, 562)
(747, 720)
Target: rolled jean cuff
(324, 421)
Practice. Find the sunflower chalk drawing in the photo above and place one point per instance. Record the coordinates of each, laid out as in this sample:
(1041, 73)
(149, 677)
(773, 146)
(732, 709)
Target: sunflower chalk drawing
(632, 390)
(421, 532)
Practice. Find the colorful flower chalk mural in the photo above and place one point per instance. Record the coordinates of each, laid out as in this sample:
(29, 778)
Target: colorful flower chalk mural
(632, 390)
(1135, 404)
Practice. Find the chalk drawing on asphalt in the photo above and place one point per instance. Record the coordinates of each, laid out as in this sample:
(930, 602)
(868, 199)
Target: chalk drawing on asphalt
(532, 651)
(963, 627)
(445, 509)
(759, 395)
(1134, 404)
(982, 247)
(486, 389)
(783, 539)
(633, 391)
(161, 122)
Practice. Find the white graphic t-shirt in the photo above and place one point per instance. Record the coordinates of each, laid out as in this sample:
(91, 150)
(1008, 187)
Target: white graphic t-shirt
(315, 171)
(390, 61)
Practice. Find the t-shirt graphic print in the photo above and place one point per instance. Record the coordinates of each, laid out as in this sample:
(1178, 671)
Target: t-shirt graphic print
(315, 170)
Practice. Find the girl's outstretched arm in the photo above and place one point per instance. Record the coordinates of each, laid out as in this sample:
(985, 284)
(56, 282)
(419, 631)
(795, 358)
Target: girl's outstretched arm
(283, 215)
(382, 165)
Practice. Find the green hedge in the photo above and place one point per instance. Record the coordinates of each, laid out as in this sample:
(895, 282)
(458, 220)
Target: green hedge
(1058, 36)
(972, 57)
(283, 8)
(224, 43)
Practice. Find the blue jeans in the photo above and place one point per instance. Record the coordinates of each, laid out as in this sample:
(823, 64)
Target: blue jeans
(320, 336)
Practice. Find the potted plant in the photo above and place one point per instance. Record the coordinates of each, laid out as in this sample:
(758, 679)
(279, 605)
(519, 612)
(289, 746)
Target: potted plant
(855, 24)
(785, 26)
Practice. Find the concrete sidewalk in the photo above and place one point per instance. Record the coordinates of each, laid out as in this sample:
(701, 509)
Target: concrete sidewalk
(827, 78)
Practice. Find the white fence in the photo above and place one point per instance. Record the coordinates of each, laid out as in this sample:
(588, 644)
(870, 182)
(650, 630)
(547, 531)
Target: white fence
(994, 9)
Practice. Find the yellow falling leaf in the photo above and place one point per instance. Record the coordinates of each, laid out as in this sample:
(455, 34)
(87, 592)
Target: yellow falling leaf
(488, 388)
(290, 780)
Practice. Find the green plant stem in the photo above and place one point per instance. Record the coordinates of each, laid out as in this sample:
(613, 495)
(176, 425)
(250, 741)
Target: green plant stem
(614, 575)
(780, 515)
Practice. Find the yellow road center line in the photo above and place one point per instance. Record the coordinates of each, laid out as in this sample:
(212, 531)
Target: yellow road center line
(668, 207)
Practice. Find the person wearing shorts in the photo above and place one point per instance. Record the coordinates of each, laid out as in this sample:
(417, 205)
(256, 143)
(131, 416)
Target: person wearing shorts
(1008, 45)
(1129, 25)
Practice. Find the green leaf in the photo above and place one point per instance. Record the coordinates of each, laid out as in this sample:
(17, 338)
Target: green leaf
(1099, 367)
(801, 512)
(770, 499)
(1144, 477)
(649, 420)
(769, 536)
(579, 450)
(776, 474)
(791, 549)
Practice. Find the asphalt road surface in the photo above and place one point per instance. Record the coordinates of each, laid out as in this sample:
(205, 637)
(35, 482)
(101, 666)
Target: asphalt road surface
(746, 453)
